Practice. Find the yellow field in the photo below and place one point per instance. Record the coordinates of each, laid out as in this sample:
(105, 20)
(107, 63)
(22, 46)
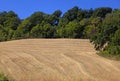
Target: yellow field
(55, 60)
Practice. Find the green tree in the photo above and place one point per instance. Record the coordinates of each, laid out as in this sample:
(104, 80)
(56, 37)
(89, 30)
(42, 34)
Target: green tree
(101, 12)
(57, 13)
(71, 14)
(36, 18)
(3, 34)
(73, 30)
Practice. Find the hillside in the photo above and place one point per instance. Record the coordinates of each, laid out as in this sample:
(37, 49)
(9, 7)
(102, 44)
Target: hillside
(55, 60)
(100, 25)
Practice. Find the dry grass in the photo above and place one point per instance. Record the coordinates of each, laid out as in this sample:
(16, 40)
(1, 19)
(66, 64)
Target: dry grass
(56, 60)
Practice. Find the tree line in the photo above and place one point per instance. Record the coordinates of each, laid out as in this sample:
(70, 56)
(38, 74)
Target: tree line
(100, 25)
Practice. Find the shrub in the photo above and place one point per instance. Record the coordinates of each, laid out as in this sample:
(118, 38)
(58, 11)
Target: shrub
(3, 77)
(114, 50)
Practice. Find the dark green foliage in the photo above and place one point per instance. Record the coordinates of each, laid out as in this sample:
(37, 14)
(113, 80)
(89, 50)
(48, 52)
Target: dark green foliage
(116, 38)
(35, 18)
(101, 12)
(71, 30)
(9, 20)
(107, 37)
(71, 14)
(114, 50)
(42, 31)
(101, 26)
(2, 17)
(57, 13)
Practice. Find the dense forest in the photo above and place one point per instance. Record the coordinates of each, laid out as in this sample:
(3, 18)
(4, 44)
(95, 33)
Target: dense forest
(100, 25)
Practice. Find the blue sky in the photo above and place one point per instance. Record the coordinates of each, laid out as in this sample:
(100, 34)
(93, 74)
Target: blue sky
(25, 8)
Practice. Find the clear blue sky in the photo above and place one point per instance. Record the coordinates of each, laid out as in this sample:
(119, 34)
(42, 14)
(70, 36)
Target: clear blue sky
(25, 8)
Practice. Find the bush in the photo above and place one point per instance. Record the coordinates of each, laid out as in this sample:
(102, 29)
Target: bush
(3, 77)
(114, 50)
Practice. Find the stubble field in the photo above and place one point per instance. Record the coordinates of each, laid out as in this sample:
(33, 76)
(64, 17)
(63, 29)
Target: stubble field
(55, 60)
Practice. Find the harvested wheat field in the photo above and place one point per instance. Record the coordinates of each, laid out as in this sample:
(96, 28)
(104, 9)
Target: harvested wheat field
(55, 60)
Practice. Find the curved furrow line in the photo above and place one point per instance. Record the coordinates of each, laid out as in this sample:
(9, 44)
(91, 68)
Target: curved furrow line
(78, 64)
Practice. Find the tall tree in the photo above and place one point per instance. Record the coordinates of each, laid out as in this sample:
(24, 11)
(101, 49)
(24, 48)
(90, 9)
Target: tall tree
(101, 12)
